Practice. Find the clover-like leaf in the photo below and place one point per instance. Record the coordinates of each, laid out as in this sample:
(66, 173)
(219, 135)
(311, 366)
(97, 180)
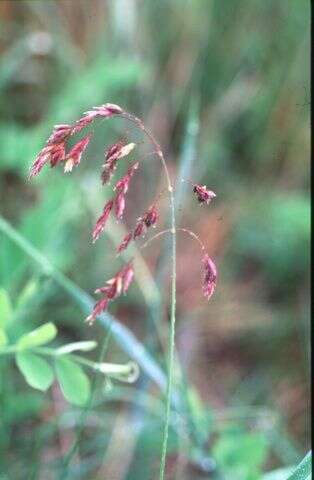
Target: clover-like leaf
(40, 336)
(74, 384)
(36, 371)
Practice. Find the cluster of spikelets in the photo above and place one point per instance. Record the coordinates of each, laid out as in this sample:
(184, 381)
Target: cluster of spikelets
(55, 153)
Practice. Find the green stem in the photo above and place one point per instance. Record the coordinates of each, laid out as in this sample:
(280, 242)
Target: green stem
(159, 153)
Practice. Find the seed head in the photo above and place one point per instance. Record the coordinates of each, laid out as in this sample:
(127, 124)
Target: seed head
(54, 151)
(99, 307)
(51, 153)
(59, 134)
(123, 184)
(119, 204)
(57, 154)
(118, 284)
(203, 195)
(125, 243)
(210, 276)
(127, 275)
(151, 216)
(112, 155)
(74, 156)
(140, 229)
(107, 110)
(101, 221)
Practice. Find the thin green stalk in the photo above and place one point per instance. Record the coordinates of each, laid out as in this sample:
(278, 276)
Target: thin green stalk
(159, 153)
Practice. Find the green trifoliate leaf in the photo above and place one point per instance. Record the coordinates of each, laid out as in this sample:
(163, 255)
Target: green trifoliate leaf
(40, 336)
(36, 371)
(74, 383)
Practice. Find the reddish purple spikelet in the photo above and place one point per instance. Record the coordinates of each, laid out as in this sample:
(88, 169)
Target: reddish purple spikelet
(54, 151)
(210, 276)
(147, 220)
(123, 184)
(151, 216)
(59, 134)
(39, 162)
(119, 205)
(112, 155)
(74, 156)
(127, 275)
(107, 110)
(111, 158)
(57, 154)
(99, 307)
(101, 221)
(118, 284)
(51, 153)
(125, 243)
(139, 230)
(203, 195)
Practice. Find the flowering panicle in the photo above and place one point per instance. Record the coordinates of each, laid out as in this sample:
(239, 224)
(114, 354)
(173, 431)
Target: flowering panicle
(119, 205)
(114, 153)
(114, 287)
(125, 242)
(101, 221)
(55, 152)
(51, 153)
(59, 134)
(210, 276)
(105, 111)
(73, 158)
(147, 220)
(203, 195)
(122, 187)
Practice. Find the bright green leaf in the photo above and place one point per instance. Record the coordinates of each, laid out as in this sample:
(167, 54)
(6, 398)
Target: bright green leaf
(40, 336)
(74, 383)
(3, 338)
(75, 346)
(5, 308)
(36, 371)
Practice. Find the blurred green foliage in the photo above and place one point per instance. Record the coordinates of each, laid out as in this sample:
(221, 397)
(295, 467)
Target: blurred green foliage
(225, 86)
